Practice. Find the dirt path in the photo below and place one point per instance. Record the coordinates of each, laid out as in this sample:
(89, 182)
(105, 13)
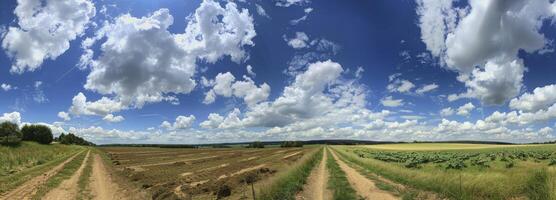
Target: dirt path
(102, 185)
(29, 188)
(315, 189)
(362, 185)
(68, 189)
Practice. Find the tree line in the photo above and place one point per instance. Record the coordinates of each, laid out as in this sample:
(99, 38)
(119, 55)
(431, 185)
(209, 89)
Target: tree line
(12, 135)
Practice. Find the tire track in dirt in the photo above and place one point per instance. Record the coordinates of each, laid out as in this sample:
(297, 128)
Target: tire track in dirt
(362, 185)
(101, 183)
(28, 189)
(316, 187)
(68, 189)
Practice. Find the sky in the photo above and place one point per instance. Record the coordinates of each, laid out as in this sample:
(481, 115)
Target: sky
(208, 71)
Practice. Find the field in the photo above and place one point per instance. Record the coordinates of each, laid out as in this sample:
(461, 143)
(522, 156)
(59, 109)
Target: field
(169, 173)
(463, 171)
(316, 172)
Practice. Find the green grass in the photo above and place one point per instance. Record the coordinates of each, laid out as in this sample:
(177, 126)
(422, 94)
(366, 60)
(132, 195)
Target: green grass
(24, 162)
(338, 182)
(439, 146)
(83, 183)
(494, 182)
(286, 186)
(69, 169)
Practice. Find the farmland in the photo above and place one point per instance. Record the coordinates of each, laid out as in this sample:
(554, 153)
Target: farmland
(473, 172)
(204, 173)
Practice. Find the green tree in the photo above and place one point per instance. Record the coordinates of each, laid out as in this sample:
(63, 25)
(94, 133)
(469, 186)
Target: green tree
(38, 133)
(9, 134)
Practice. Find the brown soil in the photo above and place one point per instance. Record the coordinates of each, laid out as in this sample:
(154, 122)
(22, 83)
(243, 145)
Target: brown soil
(28, 189)
(364, 187)
(68, 189)
(102, 184)
(316, 187)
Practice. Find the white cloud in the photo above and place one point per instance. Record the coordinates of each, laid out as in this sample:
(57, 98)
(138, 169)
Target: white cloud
(447, 112)
(481, 42)
(225, 85)
(541, 98)
(182, 122)
(389, 101)
(426, 88)
(113, 119)
(101, 107)
(250, 71)
(466, 109)
(7, 87)
(261, 11)
(299, 41)
(306, 11)
(45, 30)
(163, 64)
(14, 117)
(401, 86)
(64, 115)
(288, 3)
(38, 93)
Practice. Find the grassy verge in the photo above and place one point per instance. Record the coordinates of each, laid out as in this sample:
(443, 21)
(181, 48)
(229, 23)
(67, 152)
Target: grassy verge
(338, 182)
(286, 186)
(83, 183)
(489, 183)
(68, 170)
(30, 160)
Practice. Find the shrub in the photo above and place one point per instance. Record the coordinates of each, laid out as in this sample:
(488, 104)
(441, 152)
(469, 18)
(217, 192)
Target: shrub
(256, 144)
(9, 134)
(38, 133)
(70, 138)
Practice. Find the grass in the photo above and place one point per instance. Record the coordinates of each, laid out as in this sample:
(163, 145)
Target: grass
(83, 183)
(22, 163)
(69, 169)
(528, 179)
(338, 182)
(287, 185)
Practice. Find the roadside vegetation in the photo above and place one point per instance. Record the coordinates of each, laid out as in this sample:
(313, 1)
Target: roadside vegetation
(69, 169)
(289, 184)
(10, 135)
(486, 173)
(70, 138)
(83, 182)
(338, 182)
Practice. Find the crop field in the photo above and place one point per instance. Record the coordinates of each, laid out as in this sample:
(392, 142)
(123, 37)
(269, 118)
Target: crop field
(463, 171)
(203, 173)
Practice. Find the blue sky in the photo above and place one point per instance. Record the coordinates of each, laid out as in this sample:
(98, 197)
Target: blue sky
(228, 71)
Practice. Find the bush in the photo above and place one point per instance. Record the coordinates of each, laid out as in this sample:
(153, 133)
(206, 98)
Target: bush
(9, 134)
(256, 144)
(292, 144)
(70, 138)
(38, 133)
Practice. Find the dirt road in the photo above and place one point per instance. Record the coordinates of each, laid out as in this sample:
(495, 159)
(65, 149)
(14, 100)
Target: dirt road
(29, 188)
(362, 185)
(316, 187)
(69, 188)
(102, 185)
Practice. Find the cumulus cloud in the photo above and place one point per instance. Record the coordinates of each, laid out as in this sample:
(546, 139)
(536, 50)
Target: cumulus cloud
(113, 119)
(261, 11)
(64, 115)
(482, 42)
(389, 101)
(250, 71)
(306, 11)
(101, 107)
(225, 85)
(447, 112)
(45, 30)
(426, 88)
(400, 85)
(14, 117)
(7, 87)
(541, 98)
(299, 41)
(182, 122)
(466, 109)
(141, 61)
